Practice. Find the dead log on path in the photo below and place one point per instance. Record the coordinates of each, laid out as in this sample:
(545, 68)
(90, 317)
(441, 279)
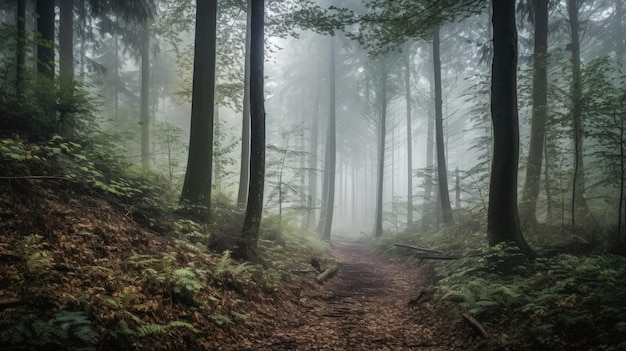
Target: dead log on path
(418, 248)
(327, 274)
(476, 325)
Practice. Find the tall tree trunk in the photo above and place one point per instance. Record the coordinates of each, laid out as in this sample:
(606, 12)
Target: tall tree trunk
(325, 181)
(579, 208)
(457, 188)
(20, 48)
(66, 42)
(45, 28)
(331, 146)
(429, 208)
(409, 143)
(116, 71)
(503, 218)
(145, 97)
(547, 183)
(197, 186)
(382, 132)
(620, 42)
(528, 205)
(244, 173)
(313, 162)
(248, 245)
(442, 172)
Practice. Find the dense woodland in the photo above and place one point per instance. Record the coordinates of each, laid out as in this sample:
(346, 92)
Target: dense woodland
(170, 169)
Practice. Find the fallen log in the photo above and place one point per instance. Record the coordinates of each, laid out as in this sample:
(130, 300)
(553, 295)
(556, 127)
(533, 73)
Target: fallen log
(436, 257)
(327, 274)
(418, 248)
(4, 303)
(476, 325)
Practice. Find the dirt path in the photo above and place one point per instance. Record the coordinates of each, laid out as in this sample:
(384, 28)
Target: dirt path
(365, 307)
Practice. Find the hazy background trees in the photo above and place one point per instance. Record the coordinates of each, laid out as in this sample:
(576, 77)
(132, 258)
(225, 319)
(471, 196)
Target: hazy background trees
(387, 129)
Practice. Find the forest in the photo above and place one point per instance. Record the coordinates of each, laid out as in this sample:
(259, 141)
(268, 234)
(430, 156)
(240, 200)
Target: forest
(312, 175)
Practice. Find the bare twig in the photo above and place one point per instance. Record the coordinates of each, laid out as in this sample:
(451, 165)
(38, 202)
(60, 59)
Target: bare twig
(476, 325)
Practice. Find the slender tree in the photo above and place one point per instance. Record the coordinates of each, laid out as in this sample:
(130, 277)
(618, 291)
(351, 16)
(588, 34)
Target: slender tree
(578, 181)
(409, 141)
(244, 172)
(248, 244)
(197, 186)
(442, 171)
(382, 133)
(528, 205)
(313, 162)
(45, 44)
(503, 218)
(66, 42)
(331, 146)
(144, 119)
(20, 47)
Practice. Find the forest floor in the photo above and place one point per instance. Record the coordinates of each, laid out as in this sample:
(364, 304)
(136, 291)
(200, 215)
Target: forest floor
(372, 303)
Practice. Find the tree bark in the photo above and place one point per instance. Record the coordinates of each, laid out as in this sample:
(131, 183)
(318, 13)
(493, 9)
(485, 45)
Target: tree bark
(244, 172)
(313, 162)
(428, 218)
(45, 48)
(248, 245)
(409, 143)
(66, 41)
(579, 208)
(442, 172)
(503, 218)
(331, 146)
(197, 186)
(382, 133)
(20, 63)
(144, 120)
(528, 205)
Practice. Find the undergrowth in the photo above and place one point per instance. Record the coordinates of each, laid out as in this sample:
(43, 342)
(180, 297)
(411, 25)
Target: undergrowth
(561, 302)
(77, 272)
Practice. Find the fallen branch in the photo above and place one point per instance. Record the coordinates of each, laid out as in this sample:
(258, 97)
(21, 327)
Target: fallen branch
(436, 257)
(418, 248)
(9, 302)
(476, 325)
(327, 274)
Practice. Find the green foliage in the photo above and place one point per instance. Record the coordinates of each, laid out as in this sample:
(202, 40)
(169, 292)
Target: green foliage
(574, 298)
(63, 330)
(181, 284)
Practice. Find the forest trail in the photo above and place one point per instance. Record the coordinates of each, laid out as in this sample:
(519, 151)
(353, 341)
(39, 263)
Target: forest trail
(368, 305)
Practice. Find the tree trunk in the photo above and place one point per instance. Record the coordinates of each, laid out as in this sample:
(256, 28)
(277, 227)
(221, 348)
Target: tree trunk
(20, 63)
(66, 43)
(442, 172)
(244, 173)
(528, 205)
(579, 208)
(248, 245)
(428, 207)
(145, 98)
(313, 162)
(197, 186)
(325, 181)
(116, 70)
(503, 218)
(45, 27)
(331, 146)
(382, 131)
(409, 143)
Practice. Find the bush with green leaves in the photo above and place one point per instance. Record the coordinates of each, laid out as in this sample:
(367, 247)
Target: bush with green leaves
(64, 330)
(566, 297)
